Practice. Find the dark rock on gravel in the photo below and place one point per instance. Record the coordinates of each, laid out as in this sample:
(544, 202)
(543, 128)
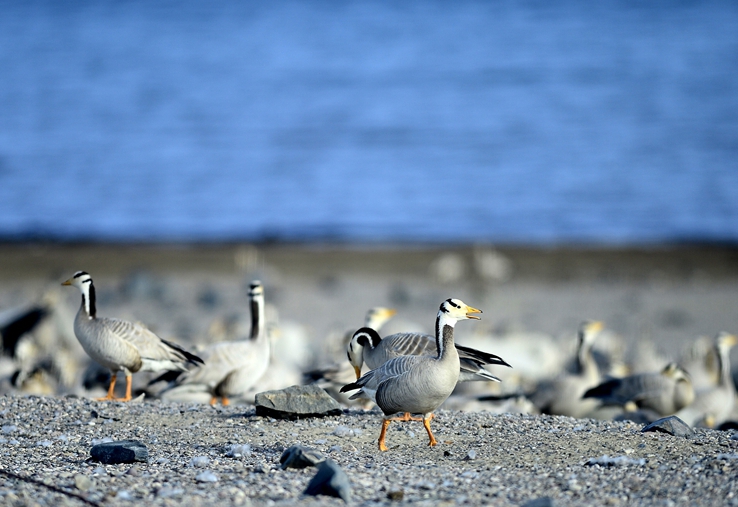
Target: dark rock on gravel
(124, 451)
(296, 402)
(541, 502)
(298, 456)
(330, 480)
(671, 425)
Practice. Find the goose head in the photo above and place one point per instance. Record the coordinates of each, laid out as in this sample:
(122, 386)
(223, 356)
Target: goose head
(588, 331)
(725, 341)
(455, 310)
(378, 316)
(364, 337)
(676, 372)
(78, 280)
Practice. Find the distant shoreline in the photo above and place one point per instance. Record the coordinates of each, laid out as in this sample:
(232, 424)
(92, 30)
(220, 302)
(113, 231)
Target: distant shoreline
(556, 263)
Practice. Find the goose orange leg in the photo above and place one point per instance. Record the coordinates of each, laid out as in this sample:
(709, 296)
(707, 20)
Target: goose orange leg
(426, 423)
(383, 434)
(111, 388)
(127, 397)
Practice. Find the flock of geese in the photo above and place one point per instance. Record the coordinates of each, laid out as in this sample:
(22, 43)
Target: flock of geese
(406, 373)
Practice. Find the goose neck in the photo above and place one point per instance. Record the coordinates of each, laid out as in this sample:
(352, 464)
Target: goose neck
(444, 334)
(258, 323)
(88, 299)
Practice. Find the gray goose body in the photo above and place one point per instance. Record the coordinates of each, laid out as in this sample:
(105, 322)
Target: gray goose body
(122, 345)
(417, 384)
(231, 368)
(713, 405)
(665, 392)
(367, 347)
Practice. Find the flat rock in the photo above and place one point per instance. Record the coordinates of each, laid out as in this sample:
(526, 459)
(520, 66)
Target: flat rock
(123, 451)
(671, 425)
(298, 456)
(296, 402)
(330, 480)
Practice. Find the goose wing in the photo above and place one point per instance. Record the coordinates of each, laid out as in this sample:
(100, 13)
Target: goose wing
(400, 344)
(369, 382)
(148, 345)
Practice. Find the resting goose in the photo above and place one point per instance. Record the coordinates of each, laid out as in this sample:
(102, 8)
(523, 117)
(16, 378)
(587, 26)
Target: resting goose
(664, 392)
(713, 405)
(231, 368)
(417, 384)
(563, 394)
(121, 345)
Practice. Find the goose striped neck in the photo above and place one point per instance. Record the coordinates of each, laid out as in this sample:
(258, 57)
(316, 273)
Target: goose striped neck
(256, 301)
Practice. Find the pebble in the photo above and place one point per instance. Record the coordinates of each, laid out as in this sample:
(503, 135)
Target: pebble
(330, 480)
(124, 495)
(297, 401)
(82, 482)
(238, 450)
(124, 451)
(199, 462)
(206, 476)
(671, 425)
(297, 456)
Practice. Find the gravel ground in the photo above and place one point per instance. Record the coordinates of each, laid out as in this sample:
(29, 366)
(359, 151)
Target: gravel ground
(482, 458)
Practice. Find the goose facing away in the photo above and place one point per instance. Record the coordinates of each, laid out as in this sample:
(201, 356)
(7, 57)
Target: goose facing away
(713, 405)
(366, 346)
(665, 392)
(231, 368)
(417, 384)
(563, 394)
(121, 345)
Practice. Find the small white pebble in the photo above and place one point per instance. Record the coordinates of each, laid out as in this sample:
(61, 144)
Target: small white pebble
(199, 462)
(206, 476)
(123, 495)
(239, 450)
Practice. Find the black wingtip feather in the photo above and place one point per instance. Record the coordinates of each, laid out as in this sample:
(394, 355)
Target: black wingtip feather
(167, 376)
(191, 358)
(486, 357)
(601, 391)
(350, 387)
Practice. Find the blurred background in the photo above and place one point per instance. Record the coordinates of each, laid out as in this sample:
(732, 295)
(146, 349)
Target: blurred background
(548, 162)
(509, 122)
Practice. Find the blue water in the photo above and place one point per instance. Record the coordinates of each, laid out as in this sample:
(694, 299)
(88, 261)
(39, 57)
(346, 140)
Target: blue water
(509, 122)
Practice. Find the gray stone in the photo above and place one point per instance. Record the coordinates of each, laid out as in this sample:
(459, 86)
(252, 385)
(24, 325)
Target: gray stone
(296, 402)
(124, 451)
(540, 502)
(298, 456)
(330, 480)
(671, 425)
